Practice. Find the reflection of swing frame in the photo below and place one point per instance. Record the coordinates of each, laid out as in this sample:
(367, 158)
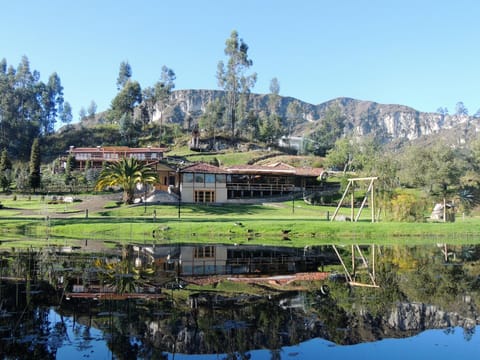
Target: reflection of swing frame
(370, 189)
(350, 275)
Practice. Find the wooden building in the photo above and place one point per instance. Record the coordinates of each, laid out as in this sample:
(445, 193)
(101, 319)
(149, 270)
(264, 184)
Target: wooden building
(100, 155)
(247, 183)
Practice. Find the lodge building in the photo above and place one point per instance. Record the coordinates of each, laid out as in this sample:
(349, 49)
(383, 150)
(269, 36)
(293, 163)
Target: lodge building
(206, 183)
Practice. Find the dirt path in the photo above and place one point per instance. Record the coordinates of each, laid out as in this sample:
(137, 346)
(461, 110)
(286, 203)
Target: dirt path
(92, 203)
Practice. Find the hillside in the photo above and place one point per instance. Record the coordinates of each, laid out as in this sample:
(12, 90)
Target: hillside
(387, 122)
(394, 124)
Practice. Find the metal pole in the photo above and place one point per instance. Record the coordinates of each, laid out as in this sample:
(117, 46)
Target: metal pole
(179, 202)
(293, 203)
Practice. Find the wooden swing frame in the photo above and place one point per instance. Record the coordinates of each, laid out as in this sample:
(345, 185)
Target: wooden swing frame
(370, 190)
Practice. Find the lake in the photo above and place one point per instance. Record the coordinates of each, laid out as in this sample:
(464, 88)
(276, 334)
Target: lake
(182, 301)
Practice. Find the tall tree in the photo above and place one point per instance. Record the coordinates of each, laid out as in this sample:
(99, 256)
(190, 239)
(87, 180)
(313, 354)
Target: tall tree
(66, 116)
(124, 74)
(82, 114)
(211, 119)
(331, 128)
(5, 170)
(232, 77)
(294, 114)
(461, 109)
(34, 167)
(274, 97)
(126, 100)
(147, 107)
(126, 173)
(52, 103)
(92, 109)
(163, 89)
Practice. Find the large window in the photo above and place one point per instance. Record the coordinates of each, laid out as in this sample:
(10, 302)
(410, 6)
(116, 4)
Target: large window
(204, 196)
(188, 178)
(209, 178)
(199, 178)
(204, 252)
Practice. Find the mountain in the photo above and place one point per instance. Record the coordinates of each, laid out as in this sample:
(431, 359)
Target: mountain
(385, 121)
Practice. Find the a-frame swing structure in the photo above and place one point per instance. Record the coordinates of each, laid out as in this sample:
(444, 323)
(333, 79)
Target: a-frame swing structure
(351, 274)
(351, 188)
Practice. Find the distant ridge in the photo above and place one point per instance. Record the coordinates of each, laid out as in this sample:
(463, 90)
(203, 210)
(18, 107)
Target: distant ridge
(387, 122)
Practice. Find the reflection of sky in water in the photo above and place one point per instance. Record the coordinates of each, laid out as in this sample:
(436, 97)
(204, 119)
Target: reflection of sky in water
(431, 344)
(79, 343)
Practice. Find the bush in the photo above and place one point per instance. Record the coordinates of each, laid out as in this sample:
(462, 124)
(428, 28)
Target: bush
(406, 207)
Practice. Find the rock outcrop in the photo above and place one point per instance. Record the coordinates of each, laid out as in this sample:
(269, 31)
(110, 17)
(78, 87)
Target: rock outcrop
(386, 122)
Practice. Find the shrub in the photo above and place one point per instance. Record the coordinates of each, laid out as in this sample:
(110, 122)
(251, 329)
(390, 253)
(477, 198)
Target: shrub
(406, 207)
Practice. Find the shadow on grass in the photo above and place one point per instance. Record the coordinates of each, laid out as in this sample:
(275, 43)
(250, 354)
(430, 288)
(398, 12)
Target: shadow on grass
(226, 209)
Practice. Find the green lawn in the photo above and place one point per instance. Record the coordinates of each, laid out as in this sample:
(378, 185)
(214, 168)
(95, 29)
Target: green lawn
(283, 224)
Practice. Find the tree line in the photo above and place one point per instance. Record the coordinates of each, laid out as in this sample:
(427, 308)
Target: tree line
(29, 108)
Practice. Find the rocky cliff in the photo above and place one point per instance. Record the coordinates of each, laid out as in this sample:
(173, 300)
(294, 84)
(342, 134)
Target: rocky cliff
(387, 122)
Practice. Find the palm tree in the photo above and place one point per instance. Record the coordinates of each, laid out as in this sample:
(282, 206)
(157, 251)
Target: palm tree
(126, 173)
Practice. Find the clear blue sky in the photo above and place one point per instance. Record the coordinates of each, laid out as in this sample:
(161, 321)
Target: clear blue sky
(420, 53)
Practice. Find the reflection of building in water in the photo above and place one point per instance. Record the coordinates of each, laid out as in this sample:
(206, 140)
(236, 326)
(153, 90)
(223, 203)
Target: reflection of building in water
(224, 259)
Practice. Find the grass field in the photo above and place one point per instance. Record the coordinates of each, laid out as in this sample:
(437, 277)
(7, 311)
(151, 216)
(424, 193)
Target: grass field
(291, 223)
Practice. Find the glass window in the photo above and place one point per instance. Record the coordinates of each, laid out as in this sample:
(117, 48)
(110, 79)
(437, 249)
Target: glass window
(199, 178)
(204, 196)
(188, 177)
(220, 178)
(209, 178)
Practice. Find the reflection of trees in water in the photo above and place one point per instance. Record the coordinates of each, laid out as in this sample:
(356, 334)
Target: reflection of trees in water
(25, 329)
(420, 276)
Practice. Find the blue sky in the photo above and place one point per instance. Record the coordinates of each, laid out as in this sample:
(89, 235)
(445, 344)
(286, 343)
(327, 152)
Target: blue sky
(420, 53)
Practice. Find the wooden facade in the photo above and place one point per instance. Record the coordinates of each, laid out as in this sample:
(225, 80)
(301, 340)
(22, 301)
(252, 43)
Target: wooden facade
(152, 156)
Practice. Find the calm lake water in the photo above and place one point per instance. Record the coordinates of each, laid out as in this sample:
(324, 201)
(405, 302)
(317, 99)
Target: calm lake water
(240, 302)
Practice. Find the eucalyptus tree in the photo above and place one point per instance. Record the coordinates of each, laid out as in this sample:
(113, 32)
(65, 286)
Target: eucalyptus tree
(232, 77)
(294, 114)
(126, 173)
(92, 109)
(461, 109)
(66, 116)
(29, 108)
(157, 97)
(124, 74)
(126, 100)
(211, 119)
(274, 97)
(82, 113)
(331, 128)
(52, 103)
(163, 89)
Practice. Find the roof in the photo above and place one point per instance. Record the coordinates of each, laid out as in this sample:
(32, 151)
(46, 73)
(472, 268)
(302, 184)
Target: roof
(273, 169)
(123, 149)
(277, 168)
(203, 168)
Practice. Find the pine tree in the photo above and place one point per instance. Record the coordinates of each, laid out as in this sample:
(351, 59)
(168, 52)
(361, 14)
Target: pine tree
(34, 167)
(5, 171)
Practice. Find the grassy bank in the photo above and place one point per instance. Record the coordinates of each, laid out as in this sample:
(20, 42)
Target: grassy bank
(283, 224)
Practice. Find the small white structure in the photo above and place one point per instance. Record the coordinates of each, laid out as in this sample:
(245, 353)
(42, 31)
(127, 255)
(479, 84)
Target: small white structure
(292, 142)
(443, 212)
